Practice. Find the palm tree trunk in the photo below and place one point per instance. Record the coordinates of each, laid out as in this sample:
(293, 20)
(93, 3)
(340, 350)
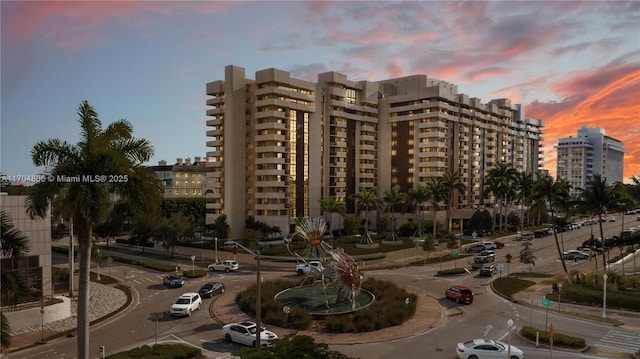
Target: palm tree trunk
(434, 222)
(71, 258)
(604, 255)
(83, 295)
(555, 235)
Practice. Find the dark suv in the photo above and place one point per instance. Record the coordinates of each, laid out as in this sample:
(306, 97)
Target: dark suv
(488, 271)
(460, 294)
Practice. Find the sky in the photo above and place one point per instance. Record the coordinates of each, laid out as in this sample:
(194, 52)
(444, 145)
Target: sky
(569, 63)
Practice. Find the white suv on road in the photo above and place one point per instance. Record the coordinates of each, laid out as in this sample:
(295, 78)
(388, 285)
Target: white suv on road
(186, 304)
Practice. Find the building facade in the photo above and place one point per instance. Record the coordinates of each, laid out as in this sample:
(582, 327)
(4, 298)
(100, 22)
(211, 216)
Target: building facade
(591, 152)
(281, 144)
(184, 179)
(34, 268)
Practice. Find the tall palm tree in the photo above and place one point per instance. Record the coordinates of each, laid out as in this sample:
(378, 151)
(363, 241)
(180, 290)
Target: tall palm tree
(548, 193)
(452, 182)
(393, 197)
(524, 186)
(436, 192)
(598, 198)
(501, 179)
(367, 200)
(103, 161)
(332, 205)
(13, 244)
(415, 198)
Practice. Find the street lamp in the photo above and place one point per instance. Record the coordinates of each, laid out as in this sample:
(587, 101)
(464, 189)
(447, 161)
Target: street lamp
(604, 297)
(258, 280)
(509, 325)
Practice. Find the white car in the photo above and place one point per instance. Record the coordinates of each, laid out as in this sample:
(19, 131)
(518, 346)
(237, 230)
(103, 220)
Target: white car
(245, 333)
(575, 254)
(311, 266)
(486, 349)
(490, 245)
(226, 265)
(186, 304)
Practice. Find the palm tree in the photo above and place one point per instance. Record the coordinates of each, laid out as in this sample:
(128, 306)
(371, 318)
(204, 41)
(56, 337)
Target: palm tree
(500, 181)
(103, 161)
(598, 198)
(436, 192)
(415, 198)
(13, 244)
(548, 193)
(366, 200)
(393, 197)
(332, 205)
(452, 182)
(524, 186)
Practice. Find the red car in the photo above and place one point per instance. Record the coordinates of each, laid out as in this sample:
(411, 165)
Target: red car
(499, 244)
(460, 294)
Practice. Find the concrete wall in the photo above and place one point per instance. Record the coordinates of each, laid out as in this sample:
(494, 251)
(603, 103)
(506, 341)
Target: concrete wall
(31, 317)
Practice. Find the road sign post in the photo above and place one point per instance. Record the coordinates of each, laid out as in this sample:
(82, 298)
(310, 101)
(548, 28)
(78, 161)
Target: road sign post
(547, 303)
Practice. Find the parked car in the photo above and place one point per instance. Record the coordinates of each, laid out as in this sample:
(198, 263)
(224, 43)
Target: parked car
(525, 236)
(173, 280)
(186, 304)
(489, 244)
(245, 333)
(226, 265)
(487, 349)
(488, 271)
(210, 289)
(311, 266)
(575, 254)
(485, 257)
(460, 294)
(499, 244)
(475, 248)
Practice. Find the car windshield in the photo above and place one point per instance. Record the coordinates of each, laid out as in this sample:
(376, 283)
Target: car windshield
(465, 291)
(182, 301)
(252, 329)
(207, 286)
(500, 346)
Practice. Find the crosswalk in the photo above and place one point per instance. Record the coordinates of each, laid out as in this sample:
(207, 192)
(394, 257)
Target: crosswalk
(623, 341)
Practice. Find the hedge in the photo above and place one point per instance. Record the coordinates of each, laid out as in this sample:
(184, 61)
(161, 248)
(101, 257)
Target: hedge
(558, 338)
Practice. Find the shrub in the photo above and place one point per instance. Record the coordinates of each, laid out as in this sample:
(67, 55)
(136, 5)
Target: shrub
(558, 338)
(451, 271)
(195, 273)
(161, 351)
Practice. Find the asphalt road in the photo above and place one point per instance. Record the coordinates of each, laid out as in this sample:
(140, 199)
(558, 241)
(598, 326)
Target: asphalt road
(486, 317)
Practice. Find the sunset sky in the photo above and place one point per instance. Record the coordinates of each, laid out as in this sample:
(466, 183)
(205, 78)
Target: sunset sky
(568, 62)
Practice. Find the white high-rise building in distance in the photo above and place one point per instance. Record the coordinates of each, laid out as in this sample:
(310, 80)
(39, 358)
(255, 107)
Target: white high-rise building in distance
(591, 152)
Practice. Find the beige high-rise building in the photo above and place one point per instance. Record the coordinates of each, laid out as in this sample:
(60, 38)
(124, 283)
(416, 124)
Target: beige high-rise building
(281, 144)
(184, 179)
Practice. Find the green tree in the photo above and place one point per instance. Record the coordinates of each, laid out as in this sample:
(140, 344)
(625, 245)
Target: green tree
(393, 198)
(597, 199)
(480, 222)
(429, 245)
(436, 192)
(13, 244)
(332, 205)
(220, 228)
(452, 182)
(500, 180)
(173, 230)
(367, 200)
(550, 194)
(112, 154)
(524, 187)
(526, 255)
(416, 197)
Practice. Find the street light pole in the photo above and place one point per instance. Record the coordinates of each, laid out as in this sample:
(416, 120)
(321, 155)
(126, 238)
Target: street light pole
(216, 240)
(258, 281)
(604, 297)
(509, 325)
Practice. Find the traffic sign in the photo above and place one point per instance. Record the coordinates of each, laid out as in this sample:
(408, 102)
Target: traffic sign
(455, 254)
(501, 266)
(546, 302)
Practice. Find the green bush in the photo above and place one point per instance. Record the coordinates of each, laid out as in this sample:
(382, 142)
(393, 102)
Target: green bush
(195, 273)
(338, 324)
(583, 294)
(151, 265)
(452, 271)
(559, 339)
(161, 351)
